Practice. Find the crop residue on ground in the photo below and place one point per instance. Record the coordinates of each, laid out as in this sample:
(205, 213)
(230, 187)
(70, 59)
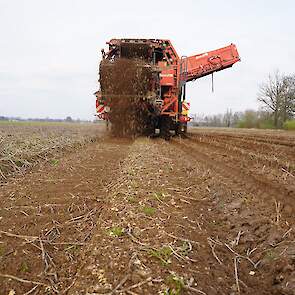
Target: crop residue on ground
(209, 214)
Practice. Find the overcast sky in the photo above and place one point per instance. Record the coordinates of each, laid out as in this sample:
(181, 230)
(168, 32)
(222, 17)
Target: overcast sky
(50, 49)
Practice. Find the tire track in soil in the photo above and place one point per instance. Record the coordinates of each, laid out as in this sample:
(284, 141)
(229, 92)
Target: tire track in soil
(246, 218)
(59, 204)
(240, 175)
(268, 151)
(275, 165)
(271, 138)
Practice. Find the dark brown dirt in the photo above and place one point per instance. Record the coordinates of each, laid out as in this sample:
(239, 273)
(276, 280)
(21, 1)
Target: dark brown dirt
(59, 204)
(210, 214)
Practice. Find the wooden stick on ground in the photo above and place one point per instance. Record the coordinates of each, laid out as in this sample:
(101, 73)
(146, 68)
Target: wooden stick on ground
(19, 236)
(22, 280)
(32, 290)
(135, 286)
(237, 274)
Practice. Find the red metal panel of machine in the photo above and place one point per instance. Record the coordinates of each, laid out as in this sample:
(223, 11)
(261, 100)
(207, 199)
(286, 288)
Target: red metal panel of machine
(208, 62)
(167, 77)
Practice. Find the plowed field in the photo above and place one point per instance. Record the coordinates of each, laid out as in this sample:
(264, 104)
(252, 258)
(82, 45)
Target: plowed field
(212, 213)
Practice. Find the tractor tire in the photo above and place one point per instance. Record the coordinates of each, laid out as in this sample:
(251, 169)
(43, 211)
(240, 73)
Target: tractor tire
(149, 127)
(165, 127)
(181, 129)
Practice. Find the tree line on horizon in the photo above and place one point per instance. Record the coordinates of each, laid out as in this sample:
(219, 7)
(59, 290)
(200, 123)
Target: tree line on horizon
(277, 99)
(277, 109)
(68, 119)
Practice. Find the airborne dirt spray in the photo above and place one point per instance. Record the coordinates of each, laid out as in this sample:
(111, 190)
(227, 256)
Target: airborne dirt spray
(126, 85)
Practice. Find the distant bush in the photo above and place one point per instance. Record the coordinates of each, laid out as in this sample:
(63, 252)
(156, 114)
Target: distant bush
(266, 124)
(255, 119)
(249, 119)
(242, 124)
(289, 125)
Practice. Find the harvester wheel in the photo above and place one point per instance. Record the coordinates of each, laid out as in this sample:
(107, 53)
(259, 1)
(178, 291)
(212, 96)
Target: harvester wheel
(165, 127)
(181, 129)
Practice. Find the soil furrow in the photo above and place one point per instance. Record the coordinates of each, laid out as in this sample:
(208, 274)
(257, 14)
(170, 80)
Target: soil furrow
(61, 212)
(245, 178)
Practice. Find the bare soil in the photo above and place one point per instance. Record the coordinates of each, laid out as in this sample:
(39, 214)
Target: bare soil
(212, 213)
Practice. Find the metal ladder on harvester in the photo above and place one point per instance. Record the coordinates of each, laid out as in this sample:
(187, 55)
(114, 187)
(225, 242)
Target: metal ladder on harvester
(182, 81)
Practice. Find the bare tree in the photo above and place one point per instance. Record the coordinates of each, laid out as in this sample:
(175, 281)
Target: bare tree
(288, 101)
(228, 118)
(278, 97)
(271, 94)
